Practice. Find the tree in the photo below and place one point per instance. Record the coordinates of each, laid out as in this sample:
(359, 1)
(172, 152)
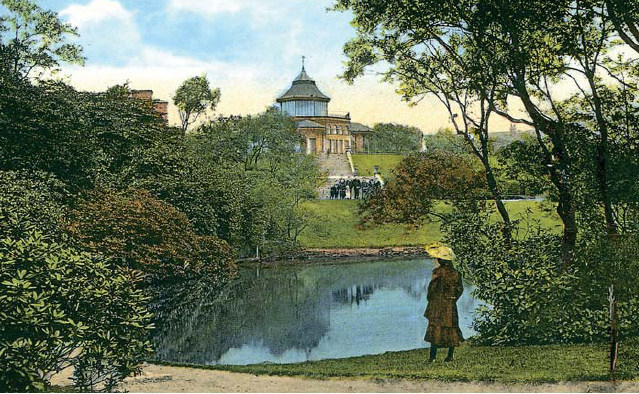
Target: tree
(625, 17)
(85, 139)
(522, 161)
(480, 56)
(420, 182)
(193, 98)
(447, 140)
(31, 201)
(260, 142)
(390, 137)
(33, 39)
(243, 180)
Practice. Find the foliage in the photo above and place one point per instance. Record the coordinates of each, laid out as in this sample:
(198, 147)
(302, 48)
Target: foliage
(529, 298)
(143, 233)
(521, 161)
(85, 139)
(445, 139)
(478, 56)
(419, 182)
(34, 39)
(242, 180)
(61, 308)
(395, 138)
(193, 98)
(264, 141)
(30, 202)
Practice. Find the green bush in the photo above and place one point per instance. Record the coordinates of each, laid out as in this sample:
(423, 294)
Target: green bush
(30, 201)
(60, 308)
(531, 298)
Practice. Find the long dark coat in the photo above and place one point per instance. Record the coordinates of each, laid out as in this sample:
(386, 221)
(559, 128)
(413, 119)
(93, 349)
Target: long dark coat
(444, 290)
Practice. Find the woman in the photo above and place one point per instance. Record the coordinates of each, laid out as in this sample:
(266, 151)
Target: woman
(444, 290)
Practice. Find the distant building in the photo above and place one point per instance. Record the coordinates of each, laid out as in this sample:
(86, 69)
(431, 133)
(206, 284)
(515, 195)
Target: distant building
(161, 107)
(323, 132)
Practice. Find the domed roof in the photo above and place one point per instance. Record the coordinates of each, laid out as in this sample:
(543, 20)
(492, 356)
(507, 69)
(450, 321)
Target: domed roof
(303, 88)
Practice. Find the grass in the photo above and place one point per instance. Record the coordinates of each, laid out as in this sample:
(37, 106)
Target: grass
(472, 363)
(386, 162)
(365, 163)
(340, 228)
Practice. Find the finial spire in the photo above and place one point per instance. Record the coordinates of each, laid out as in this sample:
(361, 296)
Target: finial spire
(303, 58)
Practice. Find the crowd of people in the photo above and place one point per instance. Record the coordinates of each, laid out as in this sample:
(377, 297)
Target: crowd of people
(354, 189)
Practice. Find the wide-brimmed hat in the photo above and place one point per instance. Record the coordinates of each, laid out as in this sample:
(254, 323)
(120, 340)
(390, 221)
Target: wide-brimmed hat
(440, 251)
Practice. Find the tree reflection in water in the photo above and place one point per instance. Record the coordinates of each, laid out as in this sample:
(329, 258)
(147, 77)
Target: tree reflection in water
(288, 314)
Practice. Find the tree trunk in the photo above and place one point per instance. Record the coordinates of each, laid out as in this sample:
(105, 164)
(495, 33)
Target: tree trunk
(614, 345)
(497, 196)
(602, 152)
(558, 165)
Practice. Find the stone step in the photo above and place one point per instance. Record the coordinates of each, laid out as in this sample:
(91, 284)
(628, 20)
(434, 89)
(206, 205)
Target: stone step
(335, 164)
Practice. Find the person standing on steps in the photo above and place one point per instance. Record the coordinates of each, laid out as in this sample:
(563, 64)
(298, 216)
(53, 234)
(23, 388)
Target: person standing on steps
(444, 290)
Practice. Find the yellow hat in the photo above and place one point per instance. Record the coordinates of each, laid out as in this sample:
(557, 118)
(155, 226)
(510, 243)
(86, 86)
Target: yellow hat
(440, 251)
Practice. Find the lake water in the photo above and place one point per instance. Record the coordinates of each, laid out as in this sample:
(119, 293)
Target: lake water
(294, 314)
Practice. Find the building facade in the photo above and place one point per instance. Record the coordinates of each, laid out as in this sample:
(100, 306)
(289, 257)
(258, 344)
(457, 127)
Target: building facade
(160, 107)
(322, 132)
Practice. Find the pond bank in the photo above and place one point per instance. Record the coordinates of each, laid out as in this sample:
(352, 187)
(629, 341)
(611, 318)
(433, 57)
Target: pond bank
(346, 255)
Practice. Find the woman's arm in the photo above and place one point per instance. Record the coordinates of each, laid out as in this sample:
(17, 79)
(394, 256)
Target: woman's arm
(433, 286)
(459, 287)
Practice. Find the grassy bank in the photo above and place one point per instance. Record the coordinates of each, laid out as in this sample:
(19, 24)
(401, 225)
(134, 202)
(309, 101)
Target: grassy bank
(365, 163)
(340, 226)
(386, 163)
(472, 363)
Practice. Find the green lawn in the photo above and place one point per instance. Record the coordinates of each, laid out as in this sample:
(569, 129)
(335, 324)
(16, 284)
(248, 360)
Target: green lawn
(365, 163)
(340, 228)
(387, 163)
(472, 363)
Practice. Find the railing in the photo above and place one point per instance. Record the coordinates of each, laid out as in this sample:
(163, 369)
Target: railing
(343, 115)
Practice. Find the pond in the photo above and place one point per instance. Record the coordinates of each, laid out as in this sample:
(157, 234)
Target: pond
(292, 314)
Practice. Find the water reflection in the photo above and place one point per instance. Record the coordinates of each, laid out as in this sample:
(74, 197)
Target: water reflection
(292, 314)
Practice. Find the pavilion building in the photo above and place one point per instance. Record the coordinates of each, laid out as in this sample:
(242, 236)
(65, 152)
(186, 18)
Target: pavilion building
(322, 131)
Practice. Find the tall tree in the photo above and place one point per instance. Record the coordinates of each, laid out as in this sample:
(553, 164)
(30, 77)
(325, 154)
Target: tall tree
(481, 55)
(193, 98)
(35, 39)
(390, 137)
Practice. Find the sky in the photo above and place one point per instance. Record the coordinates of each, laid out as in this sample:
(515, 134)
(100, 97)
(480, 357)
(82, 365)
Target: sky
(250, 49)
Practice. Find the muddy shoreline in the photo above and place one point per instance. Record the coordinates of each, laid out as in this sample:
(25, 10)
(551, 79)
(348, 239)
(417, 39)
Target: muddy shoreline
(341, 255)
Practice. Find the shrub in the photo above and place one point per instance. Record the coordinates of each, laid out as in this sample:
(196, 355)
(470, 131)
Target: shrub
(143, 233)
(30, 201)
(60, 308)
(530, 297)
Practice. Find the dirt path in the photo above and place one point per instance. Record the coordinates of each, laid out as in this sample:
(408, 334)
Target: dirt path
(164, 379)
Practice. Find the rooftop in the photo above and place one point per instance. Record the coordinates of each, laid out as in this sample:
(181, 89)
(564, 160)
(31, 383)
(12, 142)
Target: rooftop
(303, 88)
(308, 124)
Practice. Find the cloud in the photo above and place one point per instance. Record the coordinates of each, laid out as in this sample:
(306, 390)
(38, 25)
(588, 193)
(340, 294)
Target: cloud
(107, 30)
(208, 7)
(261, 10)
(97, 11)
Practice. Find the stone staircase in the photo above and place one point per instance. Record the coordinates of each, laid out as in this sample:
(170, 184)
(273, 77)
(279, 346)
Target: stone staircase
(337, 167)
(336, 164)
